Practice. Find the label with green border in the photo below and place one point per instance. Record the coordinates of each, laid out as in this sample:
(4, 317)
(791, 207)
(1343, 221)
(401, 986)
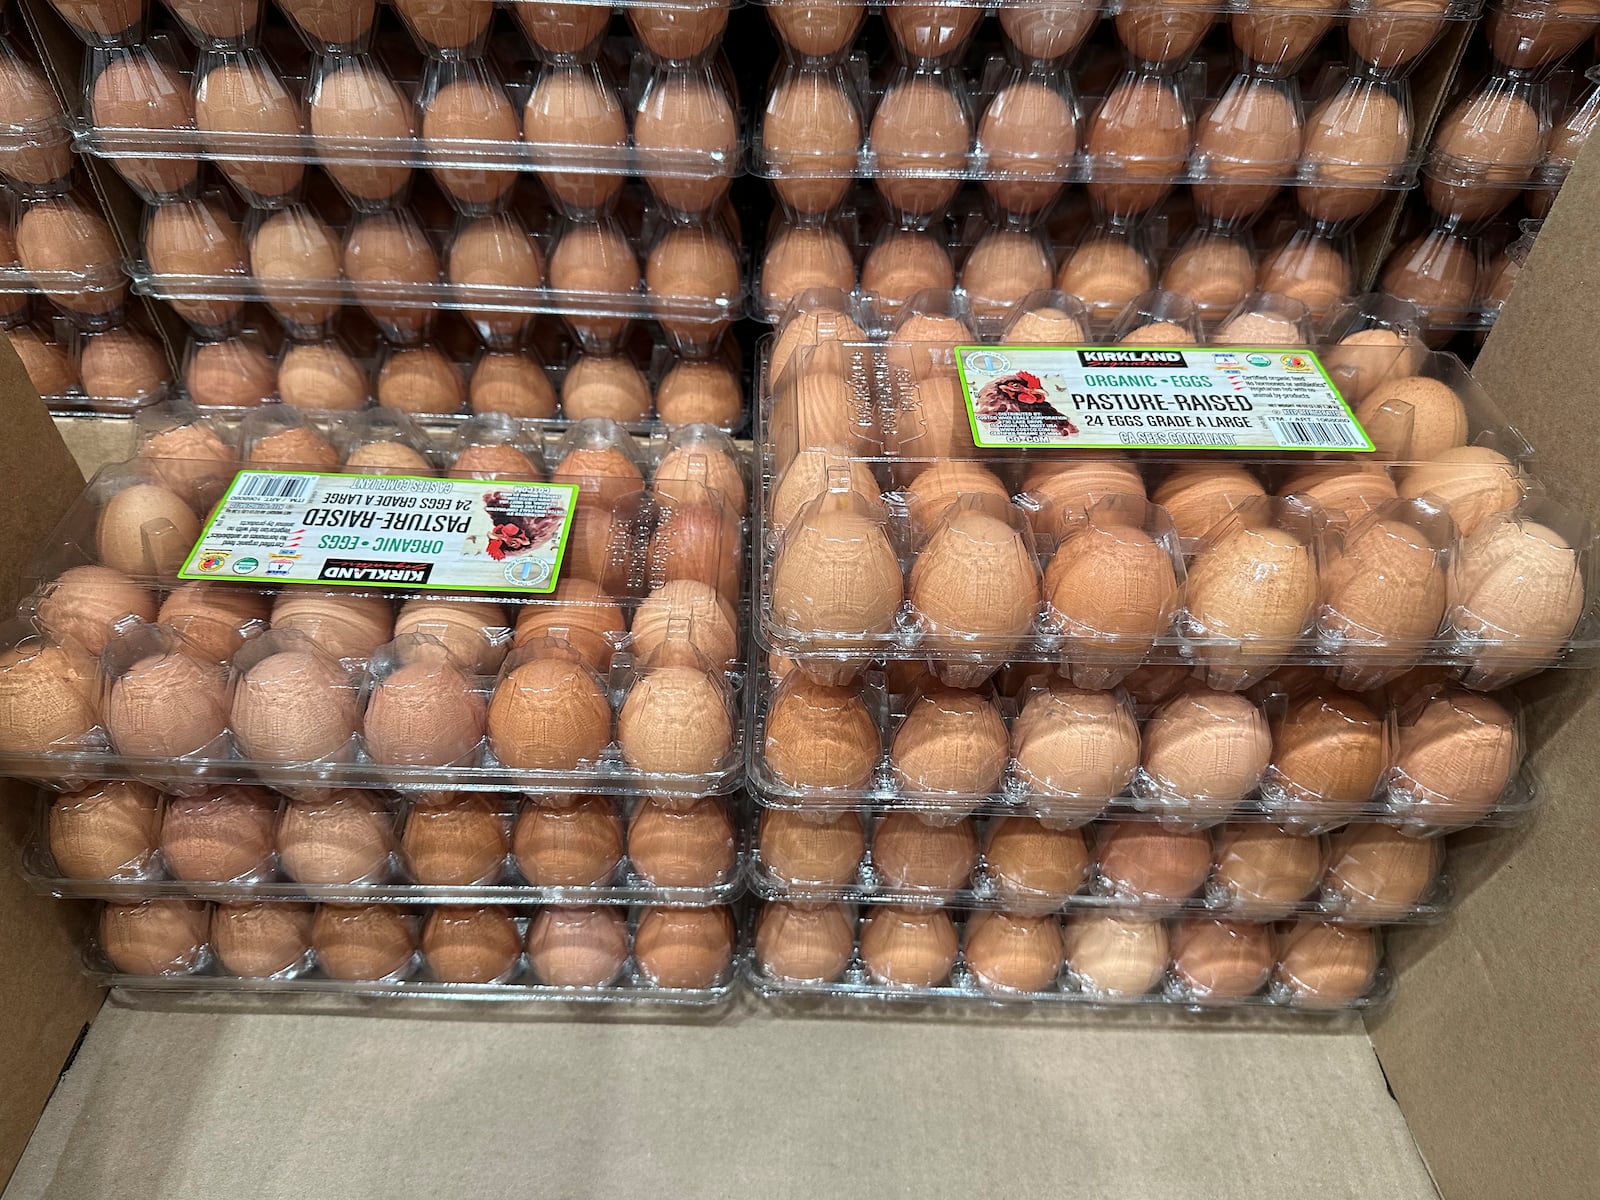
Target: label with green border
(386, 531)
(1155, 398)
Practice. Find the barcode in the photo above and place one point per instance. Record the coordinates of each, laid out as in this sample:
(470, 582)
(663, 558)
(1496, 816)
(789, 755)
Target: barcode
(275, 487)
(1312, 433)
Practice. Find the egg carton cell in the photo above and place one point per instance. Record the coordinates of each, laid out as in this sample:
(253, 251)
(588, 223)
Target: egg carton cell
(157, 114)
(60, 248)
(118, 370)
(1245, 871)
(1101, 960)
(1567, 139)
(561, 953)
(35, 135)
(120, 840)
(1296, 751)
(1536, 35)
(1456, 282)
(1488, 149)
(937, 550)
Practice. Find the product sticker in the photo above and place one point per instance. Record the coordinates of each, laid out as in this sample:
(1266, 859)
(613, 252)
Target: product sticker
(448, 535)
(1154, 397)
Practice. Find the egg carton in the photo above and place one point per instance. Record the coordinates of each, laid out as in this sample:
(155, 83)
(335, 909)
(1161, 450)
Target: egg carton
(360, 121)
(881, 413)
(1364, 873)
(1104, 960)
(373, 849)
(169, 946)
(1265, 770)
(52, 350)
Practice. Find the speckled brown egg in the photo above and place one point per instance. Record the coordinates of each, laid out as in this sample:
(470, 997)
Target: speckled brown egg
(106, 830)
(321, 375)
(455, 840)
(383, 251)
(358, 102)
(1256, 584)
(156, 937)
(1034, 866)
(470, 945)
(363, 942)
(579, 613)
(1377, 873)
(976, 582)
(914, 853)
(294, 706)
(221, 836)
(689, 948)
(299, 446)
(548, 714)
(811, 848)
(919, 126)
(836, 573)
(1013, 952)
(1263, 869)
(1198, 496)
(1413, 418)
(1140, 132)
(804, 943)
(1326, 965)
(146, 530)
(908, 947)
(951, 741)
(1029, 133)
(682, 112)
(578, 947)
(675, 721)
(567, 841)
(339, 624)
(260, 940)
(1144, 861)
(1471, 483)
(1385, 587)
(512, 383)
(136, 91)
(424, 713)
(1074, 749)
(810, 132)
(1358, 135)
(242, 98)
(1110, 955)
(820, 737)
(675, 846)
(338, 837)
(1112, 584)
(1206, 750)
(1218, 961)
(88, 604)
(49, 697)
(167, 705)
(470, 109)
(1456, 755)
(215, 618)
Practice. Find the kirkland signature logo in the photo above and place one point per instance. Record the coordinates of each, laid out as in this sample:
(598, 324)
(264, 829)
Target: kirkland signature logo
(1114, 356)
(359, 570)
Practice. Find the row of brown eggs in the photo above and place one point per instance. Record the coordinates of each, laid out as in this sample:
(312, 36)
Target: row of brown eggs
(1099, 957)
(116, 368)
(1364, 872)
(688, 949)
(1325, 756)
(115, 830)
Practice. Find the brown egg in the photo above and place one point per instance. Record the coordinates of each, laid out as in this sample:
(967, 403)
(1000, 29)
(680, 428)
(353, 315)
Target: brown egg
(579, 613)
(240, 99)
(811, 849)
(88, 604)
(679, 33)
(700, 542)
(475, 632)
(1493, 137)
(1471, 483)
(216, 22)
(672, 846)
(334, 24)
(297, 446)
(694, 465)
(49, 697)
(1413, 418)
(1044, 327)
(908, 947)
(464, 114)
(363, 941)
(1264, 869)
(214, 618)
(1014, 952)
(689, 609)
(951, 741)
(494, 462)
(1345, 491)
(923, 345)
(321, 376)
(914, 853)
(156, 937)
(221, 836)
(836, 573)
(568, 841)
(1057, 491)
(975, 583)
(602, 546)
(1105, 273)
(807, 329)
(424, 714)
(809, 476)
(1218, 961)
(455, 840)
(1003, 268)
(106, 830)
(1029, 133)
(1261, 329)
(804, 943)
(578, 947)
(167, 706)
(1047, 29)
(1206, 750)
(675, 721)
(192, 461)
(359, 103)
(1359, 135)
(1140, 132)
(609, 386)
(604, 475)
(100, 20)
(1163, 33)
(1324, 965)
(929, 31)
(234, 373)
(919, 127)
(294, 706)
(1114, 585)
(49, 367)
(136, 91)
(681, 114)
(907, 262)
(470, 945)
(59, 237)
(1386, 587)
(387, 458)
(571, 110)
(122, 365)
(1216, 272)
(816, 28)
(1456, 756)
(810, 133)
(1143, 861)
(1111, 955)
(260, 940)
(936, 488)
(1363, 360)
(799, 259)
(146, 530)
(196, 238)
(1437, 272)
(1310, 269)
(387, 250)
(820, 737)
(693, 392)
(688, 948)
(595, 261)
(421, 380)
(548, 714)
(1034, 867)
(339, 624)
(1278, 34)
(495, 261)
(1158, 333)
(446, 24)
(337, 837)
(1389, 41)
(1378, 873)
(513, 383)
(1256, 584)
(1074, 749)
(693, 275)
(1252, 133)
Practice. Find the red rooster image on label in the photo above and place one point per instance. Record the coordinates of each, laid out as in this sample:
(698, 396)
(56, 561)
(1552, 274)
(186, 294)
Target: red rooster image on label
(1021, 393)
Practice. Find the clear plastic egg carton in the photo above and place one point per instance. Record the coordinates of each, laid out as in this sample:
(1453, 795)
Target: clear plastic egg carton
(59, 247)
(116, 840)
(35, 135)
(1457, 283)
(848, 427)
(580, 126)
(1536, 35)
(1567, 140)
(654, 955)
(400, 268)
(118, 371)
(1297, 751)
(1363, 873)
(923, 953)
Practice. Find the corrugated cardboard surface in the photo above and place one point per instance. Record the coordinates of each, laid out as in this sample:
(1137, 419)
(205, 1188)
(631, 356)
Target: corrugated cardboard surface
(1493, 1047)
(754, 1105)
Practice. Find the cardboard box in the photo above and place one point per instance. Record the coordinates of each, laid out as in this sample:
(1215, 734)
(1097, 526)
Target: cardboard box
(1480, 1082)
